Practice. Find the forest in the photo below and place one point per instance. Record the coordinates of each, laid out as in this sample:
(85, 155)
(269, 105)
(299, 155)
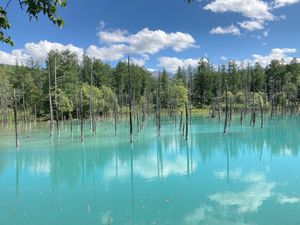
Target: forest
(65, 89)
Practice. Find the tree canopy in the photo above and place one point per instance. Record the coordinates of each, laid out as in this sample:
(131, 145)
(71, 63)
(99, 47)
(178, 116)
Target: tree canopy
(33, 8)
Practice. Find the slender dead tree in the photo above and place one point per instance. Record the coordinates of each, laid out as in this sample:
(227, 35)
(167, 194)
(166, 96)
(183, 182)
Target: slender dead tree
(81, 116)
(158, 107)
(226, 111)
(180, 123)
(115, 116)
(261, 111)
(55, 96)
(16, 119)
(50, 102)
(92, 116)
(190, 95)
(130, 100)
(186, 122)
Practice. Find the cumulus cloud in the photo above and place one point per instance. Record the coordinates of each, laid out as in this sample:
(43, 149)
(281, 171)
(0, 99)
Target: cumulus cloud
(254, 9)
(118, 43)
(252, 25)
(115, 45)
(275, 54)
(37, 51)
(171, 64)
(258, 12)
(112, 53)
(40, 50)
(16, 56)
(282, 3)
(249, 200)
(226, 30)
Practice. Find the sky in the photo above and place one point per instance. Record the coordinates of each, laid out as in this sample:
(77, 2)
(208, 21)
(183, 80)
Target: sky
(161, 34)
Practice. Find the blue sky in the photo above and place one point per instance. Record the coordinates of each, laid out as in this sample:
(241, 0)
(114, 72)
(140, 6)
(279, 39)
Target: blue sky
(158, 34)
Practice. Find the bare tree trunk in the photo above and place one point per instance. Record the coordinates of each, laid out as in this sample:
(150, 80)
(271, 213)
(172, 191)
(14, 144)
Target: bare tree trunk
(55, 97)
(81, 116)
(158, 108)
(130, 101)
(16, 119)
(190, 96)
(115, 117)
(180, 124)
(6, 115)
(226, 112)
(137, 119)
(91, 101)
(261, 112)
(50, 102)
(186, 122)
(35, 117)
(241, 118)
(71, 122)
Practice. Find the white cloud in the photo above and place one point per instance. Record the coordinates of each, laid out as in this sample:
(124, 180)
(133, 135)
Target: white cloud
(249, 200)
(284, 199)
(254, 9)
(112, 53)
(145, 166)
(198, 215)
(171, 64)
(275, 54)
(118, 43)
(16, 56)
(37, 51)
(282, 3)
(226, 30)
(101, 25)
(252, 25)
(233, 174)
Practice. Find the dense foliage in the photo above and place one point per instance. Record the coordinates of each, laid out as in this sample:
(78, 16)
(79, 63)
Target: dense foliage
(105, 88)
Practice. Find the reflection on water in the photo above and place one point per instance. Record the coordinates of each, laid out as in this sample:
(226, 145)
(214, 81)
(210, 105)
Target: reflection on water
(249, 176)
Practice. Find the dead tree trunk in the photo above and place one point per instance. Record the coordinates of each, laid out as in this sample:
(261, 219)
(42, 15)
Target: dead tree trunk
(16, 119)
(81, 116)
(115, 117)
(226, 111)
(180, 124)
(186, 122)
(50, 102)
(55, 96)
(130, 100)
(158, 107)
(261, 112)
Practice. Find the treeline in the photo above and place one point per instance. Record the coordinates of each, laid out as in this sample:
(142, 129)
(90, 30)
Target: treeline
(65, 88)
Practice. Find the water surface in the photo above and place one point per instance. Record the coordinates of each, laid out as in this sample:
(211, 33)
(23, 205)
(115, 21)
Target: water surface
(249, 176)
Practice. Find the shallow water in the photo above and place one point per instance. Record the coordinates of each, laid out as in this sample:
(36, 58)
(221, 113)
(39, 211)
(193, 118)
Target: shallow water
(246, 177)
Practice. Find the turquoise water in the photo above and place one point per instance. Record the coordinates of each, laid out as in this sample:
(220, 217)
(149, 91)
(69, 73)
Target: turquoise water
(249, 176)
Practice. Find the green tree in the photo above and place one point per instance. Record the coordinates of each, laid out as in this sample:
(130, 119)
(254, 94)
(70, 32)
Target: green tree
(33, 9)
